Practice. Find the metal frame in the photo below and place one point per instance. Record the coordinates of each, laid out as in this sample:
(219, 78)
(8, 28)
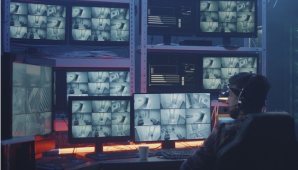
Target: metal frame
(144, 47)
(5, 33)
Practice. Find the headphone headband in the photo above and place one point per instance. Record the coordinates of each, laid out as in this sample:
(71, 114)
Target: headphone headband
(240, 94)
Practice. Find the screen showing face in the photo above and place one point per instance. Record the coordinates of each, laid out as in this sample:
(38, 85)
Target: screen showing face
(100, 24)
(37, 21)
(98, 83)
(31, 100)
(175, 116)
(227, 16)
(218, 70)
(100, 118)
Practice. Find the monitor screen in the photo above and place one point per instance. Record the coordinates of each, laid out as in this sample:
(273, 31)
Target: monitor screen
(99, 119)
(171, 17)
(217, 69)
(100, 23)
(98, 83)
(228, 18)
(171, 116)
(31, 100)
(37, 23)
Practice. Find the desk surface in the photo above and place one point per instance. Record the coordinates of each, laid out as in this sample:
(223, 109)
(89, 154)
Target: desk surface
(153, 163)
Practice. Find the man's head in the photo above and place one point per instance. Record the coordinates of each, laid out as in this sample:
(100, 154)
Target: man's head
(248, 93)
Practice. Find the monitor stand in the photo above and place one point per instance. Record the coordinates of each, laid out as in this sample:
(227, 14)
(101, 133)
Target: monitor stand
(167, 41)
(168, 144)
(98, 147)
(227, 43)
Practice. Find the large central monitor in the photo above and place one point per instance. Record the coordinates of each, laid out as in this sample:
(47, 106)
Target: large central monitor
(170, 117)
(100, 23)
(39, 23)
(99, 119)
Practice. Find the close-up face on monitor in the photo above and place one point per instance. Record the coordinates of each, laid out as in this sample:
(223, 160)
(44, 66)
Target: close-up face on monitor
(218, 70)
(100, 118)
(173, 116)
(227, 16)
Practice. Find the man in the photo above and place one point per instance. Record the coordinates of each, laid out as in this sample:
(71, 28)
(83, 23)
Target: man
(248, 93)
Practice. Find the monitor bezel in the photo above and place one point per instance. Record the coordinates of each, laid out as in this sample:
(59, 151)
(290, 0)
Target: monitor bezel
(215, 92)
(95, 140)
(166, 142)
(45, 42)
(97, 4)
(228, 35)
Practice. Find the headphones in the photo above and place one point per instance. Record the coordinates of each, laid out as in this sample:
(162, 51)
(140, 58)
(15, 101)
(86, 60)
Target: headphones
(239, 103)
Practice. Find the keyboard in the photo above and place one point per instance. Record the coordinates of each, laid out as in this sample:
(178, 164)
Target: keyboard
(179, 153)
(59, 163)
(101, 156)
(119, 155)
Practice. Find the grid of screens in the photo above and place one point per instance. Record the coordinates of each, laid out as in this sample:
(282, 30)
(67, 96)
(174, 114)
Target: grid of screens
(218, 70)
(100, 118)
(37, 21)
(228, 16)
(31, 100)
(100, 24)
(175, 116)
(98, 83)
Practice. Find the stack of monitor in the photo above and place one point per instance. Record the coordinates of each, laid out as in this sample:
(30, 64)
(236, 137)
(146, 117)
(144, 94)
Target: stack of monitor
(68, 22)
(201, 18)
(31, 100)
(165, 117)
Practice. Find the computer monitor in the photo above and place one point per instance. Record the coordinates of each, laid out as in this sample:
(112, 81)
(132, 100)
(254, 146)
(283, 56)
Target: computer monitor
(31, 100)
(100, 23)
(171, 18)
(173, 72)
(170, 117)
(40, 23)
(98, 83)
(218, 68)
(99, 119)
(227, 19)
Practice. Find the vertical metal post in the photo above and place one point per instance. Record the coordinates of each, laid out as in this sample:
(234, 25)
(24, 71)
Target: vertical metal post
(144, 46)
(5, 28)
(132, 46)
(264, 27)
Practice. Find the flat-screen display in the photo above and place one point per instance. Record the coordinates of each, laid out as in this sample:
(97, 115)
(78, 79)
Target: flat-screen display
(100, 22)
(171, 17)
(217, 70)
(37, 21)
(228, 18)
(31, 100)
(171, 116)
(98, 83)
(99, 118)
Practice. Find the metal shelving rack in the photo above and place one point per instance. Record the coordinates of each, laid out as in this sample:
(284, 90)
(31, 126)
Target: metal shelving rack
(144, 48)
(79, 62)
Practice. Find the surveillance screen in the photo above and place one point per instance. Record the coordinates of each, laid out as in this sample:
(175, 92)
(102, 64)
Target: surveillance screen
(37, 21)
(227, 16)
(31, 100)
(218, 70)
(98, 83)
(100, 24)
(173, 116)
(100, 118)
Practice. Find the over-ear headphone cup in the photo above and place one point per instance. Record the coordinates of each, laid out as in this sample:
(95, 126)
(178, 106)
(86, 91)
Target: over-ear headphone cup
(239, 105)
